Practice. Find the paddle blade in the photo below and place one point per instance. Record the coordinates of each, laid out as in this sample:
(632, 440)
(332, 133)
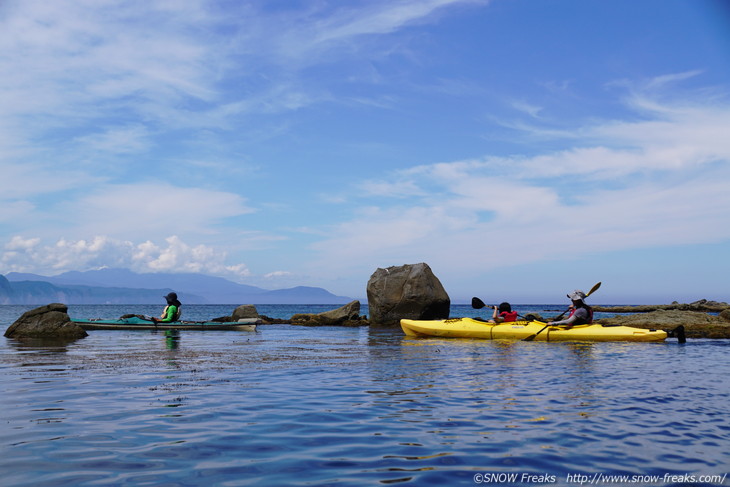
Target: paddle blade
(593, 289)
(533, 336)
(477, 303)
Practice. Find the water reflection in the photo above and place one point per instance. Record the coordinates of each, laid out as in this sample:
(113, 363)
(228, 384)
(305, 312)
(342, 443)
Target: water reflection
(355, 406)
(43, 346)
(172, 339)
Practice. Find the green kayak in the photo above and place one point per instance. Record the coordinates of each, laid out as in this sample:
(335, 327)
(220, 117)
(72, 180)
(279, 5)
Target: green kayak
(136, 323)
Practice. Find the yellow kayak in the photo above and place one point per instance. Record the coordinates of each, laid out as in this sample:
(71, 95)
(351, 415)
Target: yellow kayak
(519, 330)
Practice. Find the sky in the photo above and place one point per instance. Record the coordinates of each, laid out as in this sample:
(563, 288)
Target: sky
(520, 148)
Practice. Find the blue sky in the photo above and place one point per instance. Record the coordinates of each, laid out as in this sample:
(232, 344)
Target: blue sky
(520, 148)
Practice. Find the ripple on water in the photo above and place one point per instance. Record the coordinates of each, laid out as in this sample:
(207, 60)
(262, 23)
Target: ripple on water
(351, 406)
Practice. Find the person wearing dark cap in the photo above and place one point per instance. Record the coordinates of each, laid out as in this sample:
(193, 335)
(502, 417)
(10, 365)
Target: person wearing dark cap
(580, 314)
(172, 311)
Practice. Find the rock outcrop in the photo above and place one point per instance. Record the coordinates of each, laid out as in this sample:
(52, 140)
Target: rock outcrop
(347, 315)
(696, 324)
(49, 321)
(409, 291)
(701, 305)
(243, 312)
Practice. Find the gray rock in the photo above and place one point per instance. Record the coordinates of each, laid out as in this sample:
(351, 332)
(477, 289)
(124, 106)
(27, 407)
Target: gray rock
(245, 311)
(347, 315)
(701, 305)
(50, 321)
(697, 324)
(408, 291)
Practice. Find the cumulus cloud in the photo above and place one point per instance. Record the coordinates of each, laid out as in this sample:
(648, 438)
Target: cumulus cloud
(174, 255)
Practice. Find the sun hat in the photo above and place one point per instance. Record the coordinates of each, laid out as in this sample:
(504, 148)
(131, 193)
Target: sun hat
(577, 295)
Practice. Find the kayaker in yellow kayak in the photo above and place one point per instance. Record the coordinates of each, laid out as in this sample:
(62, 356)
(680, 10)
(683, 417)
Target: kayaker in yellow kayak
(580, 314)
(503, 313)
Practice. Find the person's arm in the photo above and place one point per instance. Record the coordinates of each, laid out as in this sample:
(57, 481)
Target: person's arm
(496, 317)
(579, 313)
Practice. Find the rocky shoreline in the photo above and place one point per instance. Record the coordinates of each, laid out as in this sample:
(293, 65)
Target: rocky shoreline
(52, 320)
(701, 305)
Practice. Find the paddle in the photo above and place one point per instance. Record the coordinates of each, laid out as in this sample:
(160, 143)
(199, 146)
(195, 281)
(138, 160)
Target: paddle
(532, 337)
(477, 303)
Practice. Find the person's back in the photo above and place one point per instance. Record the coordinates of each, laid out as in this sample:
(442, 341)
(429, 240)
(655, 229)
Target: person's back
(504, 313)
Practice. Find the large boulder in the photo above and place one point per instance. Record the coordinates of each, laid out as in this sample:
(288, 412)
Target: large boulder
(408, 291)
(245, 311)
(49, 321)
(347, 315)
(242, 312)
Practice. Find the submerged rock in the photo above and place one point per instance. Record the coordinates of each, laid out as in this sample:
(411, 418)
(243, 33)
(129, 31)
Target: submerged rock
(49, 321)
(409, 291)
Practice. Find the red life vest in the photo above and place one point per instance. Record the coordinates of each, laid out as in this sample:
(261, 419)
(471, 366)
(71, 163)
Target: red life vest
(508, 316)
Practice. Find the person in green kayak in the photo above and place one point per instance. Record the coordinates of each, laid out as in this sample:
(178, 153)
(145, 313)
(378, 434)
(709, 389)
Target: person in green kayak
(172, 311)
(580, 312)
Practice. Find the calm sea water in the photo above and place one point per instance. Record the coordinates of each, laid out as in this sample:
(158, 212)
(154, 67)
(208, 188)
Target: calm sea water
(356, 406)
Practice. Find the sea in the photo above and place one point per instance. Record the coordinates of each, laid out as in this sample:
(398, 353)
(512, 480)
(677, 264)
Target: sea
(337, 406)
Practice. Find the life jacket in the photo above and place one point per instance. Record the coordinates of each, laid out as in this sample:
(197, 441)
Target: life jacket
(581, 321)
(508, 316)
(170, 316)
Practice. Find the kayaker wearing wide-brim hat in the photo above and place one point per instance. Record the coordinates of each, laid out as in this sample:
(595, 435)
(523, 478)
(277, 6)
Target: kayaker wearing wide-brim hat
(581, 314)
(172, 310)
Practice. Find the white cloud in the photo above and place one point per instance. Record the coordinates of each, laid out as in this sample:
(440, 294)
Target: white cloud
(118, 140)
(277, 274)
(32, 255)
(151, 210)
(654, 182)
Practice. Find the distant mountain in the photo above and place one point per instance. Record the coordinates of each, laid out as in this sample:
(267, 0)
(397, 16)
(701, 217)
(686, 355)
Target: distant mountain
(300, 295)
(41, 292)
(112, 285)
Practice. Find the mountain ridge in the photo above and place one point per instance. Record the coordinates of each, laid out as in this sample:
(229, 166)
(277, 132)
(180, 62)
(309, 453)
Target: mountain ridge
(112, 285)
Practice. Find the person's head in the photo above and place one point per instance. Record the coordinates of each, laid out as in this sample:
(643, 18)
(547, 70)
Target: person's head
(578, 297)
(171, 298)
(505, 307)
